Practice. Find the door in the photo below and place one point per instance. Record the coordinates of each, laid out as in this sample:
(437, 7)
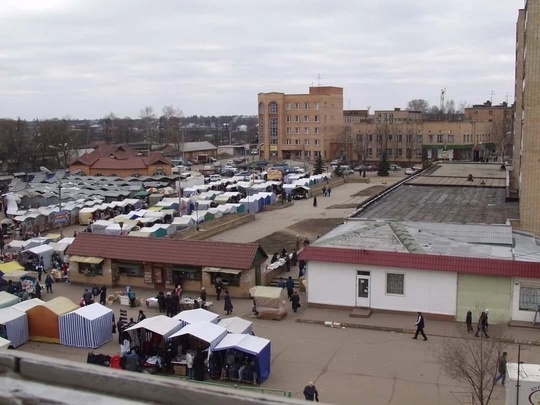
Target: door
(362, 291)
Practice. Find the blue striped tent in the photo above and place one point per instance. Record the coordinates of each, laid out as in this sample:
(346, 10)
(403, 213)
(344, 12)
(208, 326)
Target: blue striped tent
(16, 324)
(89, 326)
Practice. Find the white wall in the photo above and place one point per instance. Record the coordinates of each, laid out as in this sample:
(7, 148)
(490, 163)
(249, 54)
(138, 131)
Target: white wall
(424, 290)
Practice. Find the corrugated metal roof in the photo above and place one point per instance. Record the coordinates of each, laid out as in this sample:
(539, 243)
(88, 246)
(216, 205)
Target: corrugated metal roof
(471, 233)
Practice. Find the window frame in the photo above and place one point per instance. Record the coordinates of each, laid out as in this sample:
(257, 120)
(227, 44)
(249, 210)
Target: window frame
(395, 294)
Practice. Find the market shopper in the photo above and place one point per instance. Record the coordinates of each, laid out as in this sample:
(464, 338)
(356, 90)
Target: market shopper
(189, 362)
(169, 305)
(95, 292)
(175, 302)
(295, 299)
(501, 368)
(420, 326)
(219, 286)
(311, 393)
(141, 316)
(161, 302)
(482, 325)
(203, 294)
(103, 295)
(199, 366)
(468, 321)
(37, 288)
(290, 286)
(228, 303)
(132, 296)
(48, 283)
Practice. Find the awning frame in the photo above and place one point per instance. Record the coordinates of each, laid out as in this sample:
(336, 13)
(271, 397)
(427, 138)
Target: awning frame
(86, 259)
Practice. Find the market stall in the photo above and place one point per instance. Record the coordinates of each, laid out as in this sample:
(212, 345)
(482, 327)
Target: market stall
(270, 302)
(10, 266)
(59, 248)
(14, 326)
(26, 305)
(196, 315)
(206, 334)
(252, 364)
(89, 326)
(44, 252)
(43, 319)
(7, 299)
(160, 328)
(236, 324)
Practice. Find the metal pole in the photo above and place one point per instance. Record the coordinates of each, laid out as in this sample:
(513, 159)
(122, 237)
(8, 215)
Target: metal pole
(517, 384)
(197, 208)
(60, 206)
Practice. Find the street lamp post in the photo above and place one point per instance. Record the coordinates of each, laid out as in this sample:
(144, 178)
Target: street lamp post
(197, 213)
(121, 223)
(45, 170)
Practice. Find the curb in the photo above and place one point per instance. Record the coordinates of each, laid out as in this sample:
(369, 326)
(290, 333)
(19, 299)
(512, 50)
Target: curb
(340, 325)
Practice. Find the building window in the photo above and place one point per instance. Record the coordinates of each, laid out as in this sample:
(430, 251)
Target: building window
(273, 141)
(228, 280)
(379, 152)
(317, 132)
(296, 118)
(90, 269)
(419, 138)
(130, 269)
(409, 138)
(306, 130)
(317, 119)
(529, 298)
(430, 138)
(316, 105)
(288, 106)
(186, 273)
(297, 130)
(288, 131)
(369, 151)
(317, 143)
(399, 138)
(297, 141)
(159, 172)
(379, 138)
(288, 141)
(450, 138)
(306, 105)
(389, 138)
(297, 106)
(399, 152)
(306, 142)
(306, 118)
(288, 118)
(272, 108)
(440, 138)
(369, 138)
(395, 284)
(359, 138)
(389, 152)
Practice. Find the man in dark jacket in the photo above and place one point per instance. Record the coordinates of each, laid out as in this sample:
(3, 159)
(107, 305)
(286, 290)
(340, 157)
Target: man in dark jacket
(175, 302)
(290, 286)
(311, 393)
(420, 326)
(169, 305)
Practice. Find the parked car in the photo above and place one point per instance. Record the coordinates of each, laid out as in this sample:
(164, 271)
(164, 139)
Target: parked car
(214, 177)
(230, 162)
(254, 152)
(261, 163)
(179, 169)
(229, 167)
(347, 171)
(361, 168)
(394, 167)
(409, 171)
(227, 172)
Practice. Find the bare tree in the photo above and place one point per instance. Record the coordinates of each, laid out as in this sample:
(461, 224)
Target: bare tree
(148, 119)
(472, 361)
(172, 125)
(418, 104)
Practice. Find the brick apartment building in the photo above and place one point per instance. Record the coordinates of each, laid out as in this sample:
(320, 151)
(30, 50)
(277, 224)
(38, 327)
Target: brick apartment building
(300, 126)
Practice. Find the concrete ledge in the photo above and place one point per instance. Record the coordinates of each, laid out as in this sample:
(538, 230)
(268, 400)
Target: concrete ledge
(209, 229)
(277, 206)
(360, 313)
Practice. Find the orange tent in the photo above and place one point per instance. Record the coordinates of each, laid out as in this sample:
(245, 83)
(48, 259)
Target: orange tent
(43, 325)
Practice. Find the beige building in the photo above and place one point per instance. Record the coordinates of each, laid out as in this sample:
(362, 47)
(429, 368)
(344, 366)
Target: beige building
(300, 126)
(527, 116)
(409, 139)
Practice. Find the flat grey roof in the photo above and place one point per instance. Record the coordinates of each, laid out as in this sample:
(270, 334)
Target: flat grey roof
(443, 204)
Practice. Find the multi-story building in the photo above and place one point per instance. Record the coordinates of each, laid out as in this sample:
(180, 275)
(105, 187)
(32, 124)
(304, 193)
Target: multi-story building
(300, 126)
(527, 116)
(409, 138)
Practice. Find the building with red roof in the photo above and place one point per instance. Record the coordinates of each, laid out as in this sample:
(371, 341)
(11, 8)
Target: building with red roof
(121, 161)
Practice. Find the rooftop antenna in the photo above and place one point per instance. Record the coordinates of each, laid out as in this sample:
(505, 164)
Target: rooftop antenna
(368, 108)
(506, 97)
(349, 104)
(443, 93)
(318, 79)
(491, 98)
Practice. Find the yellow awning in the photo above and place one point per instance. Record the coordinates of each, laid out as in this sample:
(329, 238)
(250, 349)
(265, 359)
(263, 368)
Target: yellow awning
(10, 266)
(220, 270)
(154, 208)
(82, 259)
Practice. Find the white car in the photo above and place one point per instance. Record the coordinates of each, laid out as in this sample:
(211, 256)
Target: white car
(410, 171)
(229, 167)
(179, 169)
(230, 162)
(214, 177)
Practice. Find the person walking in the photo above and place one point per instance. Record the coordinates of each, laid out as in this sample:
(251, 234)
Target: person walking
(311, 393)
(328, 191)
(175, 302)
(169, 305)
(228, 307)
(290, 286)
(120, 330)
(295, 299)
(315, 201)
(294, 257)
(324, 191)
(297, 243)
(141, 316)
(501, 368)
(131, 295)
(203, 294)
(95, 292)
(468, 321)
(219, 287)
(103, 295)
(482, 325)
(48, 283)
(420, 326)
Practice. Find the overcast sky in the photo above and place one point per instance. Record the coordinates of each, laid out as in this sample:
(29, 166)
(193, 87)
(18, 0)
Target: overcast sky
(87, 58)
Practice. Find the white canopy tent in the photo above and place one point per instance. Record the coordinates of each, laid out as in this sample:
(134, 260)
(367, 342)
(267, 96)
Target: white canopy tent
(196, 315)
(45, 252)
(205, 331)
(236, 324)
(4, 344)
(26, 305)
(161, 324)
(16, 324)
(89, 326)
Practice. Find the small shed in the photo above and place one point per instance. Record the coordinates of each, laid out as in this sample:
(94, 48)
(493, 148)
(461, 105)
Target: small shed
(45, 252)
(204, 331)
(253, 345)
(271, 302)
(7, 299)
(236, 324)
(196, 315)
(89, 326)
(43, 319)
(14, 325)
